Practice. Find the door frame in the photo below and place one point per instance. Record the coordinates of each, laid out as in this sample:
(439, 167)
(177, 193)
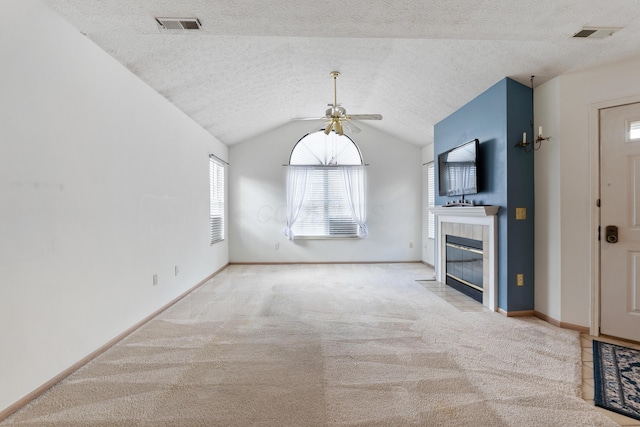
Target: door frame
(594, 139)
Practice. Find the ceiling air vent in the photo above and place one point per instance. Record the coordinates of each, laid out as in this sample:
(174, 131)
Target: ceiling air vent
(595, 32)
(178, 24)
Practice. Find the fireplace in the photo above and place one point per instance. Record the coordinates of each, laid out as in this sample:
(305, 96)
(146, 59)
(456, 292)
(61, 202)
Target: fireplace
(464, 269)
(469, 223)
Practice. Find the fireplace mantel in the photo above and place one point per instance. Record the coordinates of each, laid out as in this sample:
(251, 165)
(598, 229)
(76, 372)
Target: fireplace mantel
(479, 223)
(465, 210)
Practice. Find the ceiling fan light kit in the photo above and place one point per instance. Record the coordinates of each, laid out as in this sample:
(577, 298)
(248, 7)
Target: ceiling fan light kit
(336, 115)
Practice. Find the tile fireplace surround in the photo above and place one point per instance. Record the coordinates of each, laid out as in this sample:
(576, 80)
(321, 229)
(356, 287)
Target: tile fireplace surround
(471, 222)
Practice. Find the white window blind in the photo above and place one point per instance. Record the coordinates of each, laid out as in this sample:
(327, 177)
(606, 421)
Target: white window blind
(431, 201)
(325, 212)
(216, 199)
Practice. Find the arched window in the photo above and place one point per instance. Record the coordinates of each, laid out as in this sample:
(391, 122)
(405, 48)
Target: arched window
(318, 149)
(326, 188)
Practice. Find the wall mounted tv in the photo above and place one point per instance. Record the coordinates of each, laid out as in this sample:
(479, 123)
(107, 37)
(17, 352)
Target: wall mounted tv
(457, 170)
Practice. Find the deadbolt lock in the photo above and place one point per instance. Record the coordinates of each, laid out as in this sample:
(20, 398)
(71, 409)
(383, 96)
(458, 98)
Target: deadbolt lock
(612, 234)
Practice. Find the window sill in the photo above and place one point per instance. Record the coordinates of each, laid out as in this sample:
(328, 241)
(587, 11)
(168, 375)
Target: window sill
(326, 237)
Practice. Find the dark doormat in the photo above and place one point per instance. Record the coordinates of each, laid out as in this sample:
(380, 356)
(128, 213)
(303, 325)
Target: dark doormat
(616, 373)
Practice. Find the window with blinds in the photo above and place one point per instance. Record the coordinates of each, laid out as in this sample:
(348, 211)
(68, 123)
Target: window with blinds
(431, 201)
(330, 202)
(216, 199)
(325, 212)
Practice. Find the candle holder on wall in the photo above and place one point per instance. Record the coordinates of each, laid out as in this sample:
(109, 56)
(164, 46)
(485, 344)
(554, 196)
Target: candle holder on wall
(536, 144)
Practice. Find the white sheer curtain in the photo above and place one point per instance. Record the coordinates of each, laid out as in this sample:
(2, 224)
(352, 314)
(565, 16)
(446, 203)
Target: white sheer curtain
(354, 192)
(296, 191)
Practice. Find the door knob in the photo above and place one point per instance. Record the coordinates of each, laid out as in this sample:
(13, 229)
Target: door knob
(612, 234)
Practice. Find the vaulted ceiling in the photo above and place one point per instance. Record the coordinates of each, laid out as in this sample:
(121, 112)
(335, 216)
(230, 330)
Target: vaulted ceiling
(256, 64)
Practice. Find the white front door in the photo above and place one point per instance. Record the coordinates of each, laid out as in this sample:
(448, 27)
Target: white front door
(620, 207)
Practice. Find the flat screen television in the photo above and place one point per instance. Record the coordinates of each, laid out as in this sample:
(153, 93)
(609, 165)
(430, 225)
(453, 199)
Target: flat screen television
(457, 170)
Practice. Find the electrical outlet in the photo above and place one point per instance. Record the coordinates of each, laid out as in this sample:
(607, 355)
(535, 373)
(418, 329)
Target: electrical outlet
(155, 279)
(176, 270)
(521, 213)
(519, 279)
(276, 246)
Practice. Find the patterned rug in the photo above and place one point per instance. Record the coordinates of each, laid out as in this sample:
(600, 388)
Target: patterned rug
(617, 378)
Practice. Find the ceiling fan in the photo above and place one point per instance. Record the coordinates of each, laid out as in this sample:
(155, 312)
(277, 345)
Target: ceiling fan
(336, 116)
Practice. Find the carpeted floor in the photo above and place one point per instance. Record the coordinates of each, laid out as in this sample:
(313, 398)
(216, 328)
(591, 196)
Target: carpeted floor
(334, 345)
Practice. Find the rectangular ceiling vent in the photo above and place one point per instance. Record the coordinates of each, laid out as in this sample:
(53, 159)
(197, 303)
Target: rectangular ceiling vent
(595, 32)
(178, 24)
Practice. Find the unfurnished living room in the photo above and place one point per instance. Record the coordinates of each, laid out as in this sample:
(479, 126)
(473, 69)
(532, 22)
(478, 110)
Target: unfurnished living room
(269, 213)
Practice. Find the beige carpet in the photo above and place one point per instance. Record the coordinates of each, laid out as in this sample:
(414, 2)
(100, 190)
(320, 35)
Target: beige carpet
(336, 345)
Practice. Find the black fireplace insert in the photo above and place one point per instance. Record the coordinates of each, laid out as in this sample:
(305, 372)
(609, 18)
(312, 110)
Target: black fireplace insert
(464, 260)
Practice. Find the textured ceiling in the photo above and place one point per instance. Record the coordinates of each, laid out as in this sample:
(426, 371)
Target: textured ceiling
(256, 64)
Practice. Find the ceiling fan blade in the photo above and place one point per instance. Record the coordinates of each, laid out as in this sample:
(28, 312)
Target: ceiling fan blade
(351, 127)
(316, 127)
(364, 116)
(337, 116)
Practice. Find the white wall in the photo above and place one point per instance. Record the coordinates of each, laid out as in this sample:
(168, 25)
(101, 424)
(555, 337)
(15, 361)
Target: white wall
(577, 92)
(548, 267)
(103, 184)
(258, 203)
(428, 245)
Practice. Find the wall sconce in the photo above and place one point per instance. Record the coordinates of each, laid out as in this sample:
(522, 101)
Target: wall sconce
(535, 145)
(528, 147)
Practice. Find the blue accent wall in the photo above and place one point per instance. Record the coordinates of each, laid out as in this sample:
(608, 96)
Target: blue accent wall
(497, 118)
